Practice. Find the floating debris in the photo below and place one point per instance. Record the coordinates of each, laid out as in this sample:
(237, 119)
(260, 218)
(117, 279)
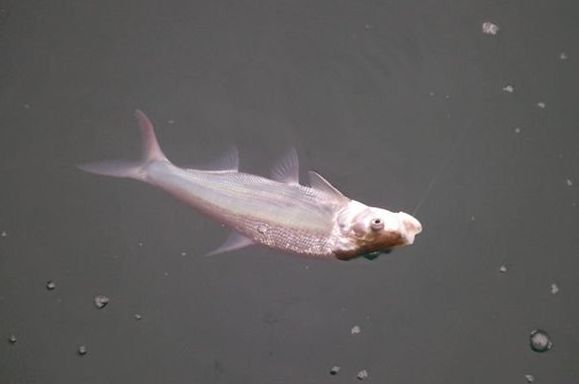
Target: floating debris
(262, 228)
(509, 88)
(4, 234)
(334, 371)
(540, 341)
(27, 106)
(355, 330)
(530, 378)
(489, 28)
(140, 243)
(431, 93)
(472, 218)
(517, 130)
(101, 301)
(503, 269)
(554, 289)
(569, 182)
(563, 56)
(82, 350)
(12, 339)
(166, 274)
(183, 253)
(137, 317)
(363, 374)
(171, 122)
(541, 105)
(50, 285)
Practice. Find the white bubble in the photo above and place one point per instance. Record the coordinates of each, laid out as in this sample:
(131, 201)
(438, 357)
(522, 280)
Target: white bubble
(82, 350)
(489, 28)
(101, 301)
(509, 88)
(540, 341)
(363, 374)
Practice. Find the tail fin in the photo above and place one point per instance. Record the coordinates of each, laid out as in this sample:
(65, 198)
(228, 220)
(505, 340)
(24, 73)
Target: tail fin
(151, 149)
(131, 169)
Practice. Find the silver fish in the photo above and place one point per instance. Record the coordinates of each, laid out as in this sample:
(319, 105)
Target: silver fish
(279, 213)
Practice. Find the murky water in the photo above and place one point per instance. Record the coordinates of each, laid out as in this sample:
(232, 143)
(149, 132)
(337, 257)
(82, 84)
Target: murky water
(465, 112)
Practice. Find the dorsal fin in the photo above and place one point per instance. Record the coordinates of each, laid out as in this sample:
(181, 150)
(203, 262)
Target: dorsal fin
(228, 162)
(319, 183)
(287, 169)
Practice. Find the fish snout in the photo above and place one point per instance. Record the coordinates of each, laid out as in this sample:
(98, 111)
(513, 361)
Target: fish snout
(410, 226)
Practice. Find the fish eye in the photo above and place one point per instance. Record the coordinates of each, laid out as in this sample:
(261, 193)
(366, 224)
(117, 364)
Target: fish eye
(377, 224)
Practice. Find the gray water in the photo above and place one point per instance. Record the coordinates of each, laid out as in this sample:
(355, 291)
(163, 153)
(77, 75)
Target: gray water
(394, 102)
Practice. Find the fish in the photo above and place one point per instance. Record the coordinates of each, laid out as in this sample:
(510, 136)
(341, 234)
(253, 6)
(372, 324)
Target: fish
(278, 212)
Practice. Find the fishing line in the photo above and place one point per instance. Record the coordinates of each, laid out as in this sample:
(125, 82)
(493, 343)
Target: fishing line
(440, 171)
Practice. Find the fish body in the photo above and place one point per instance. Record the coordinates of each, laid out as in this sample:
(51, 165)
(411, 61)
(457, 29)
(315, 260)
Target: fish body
(315, 220)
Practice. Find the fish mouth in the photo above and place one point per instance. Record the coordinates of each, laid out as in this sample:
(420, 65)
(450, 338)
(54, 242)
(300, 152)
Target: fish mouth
(409, 239)
(417, 226)
(410, 227)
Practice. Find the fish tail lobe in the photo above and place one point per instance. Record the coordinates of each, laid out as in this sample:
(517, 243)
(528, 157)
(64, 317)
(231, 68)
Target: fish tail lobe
(115, 168)
(151, 152)
(151, 149)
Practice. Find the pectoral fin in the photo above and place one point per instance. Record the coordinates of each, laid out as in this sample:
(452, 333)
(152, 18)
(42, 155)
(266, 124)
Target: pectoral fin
(234, 241)
(371, 256)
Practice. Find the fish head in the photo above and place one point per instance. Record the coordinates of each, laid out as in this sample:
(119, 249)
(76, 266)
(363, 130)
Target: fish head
(365, 230)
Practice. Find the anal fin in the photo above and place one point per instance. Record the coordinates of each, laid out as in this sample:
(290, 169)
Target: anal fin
(234, 241)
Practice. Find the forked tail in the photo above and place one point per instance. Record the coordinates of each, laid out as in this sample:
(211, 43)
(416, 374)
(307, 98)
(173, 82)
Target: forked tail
(131, 169)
